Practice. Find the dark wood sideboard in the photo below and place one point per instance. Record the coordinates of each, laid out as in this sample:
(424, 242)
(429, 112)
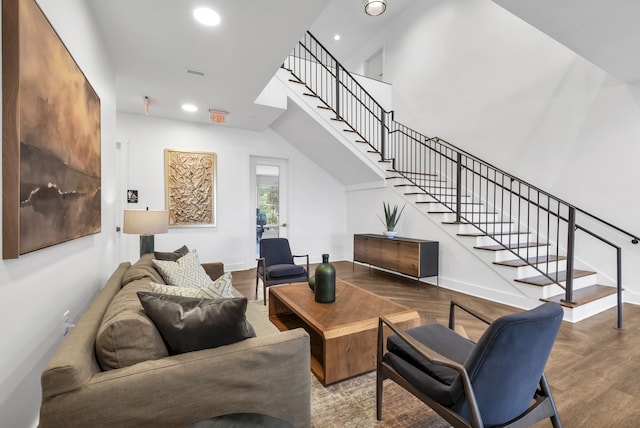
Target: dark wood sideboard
(413, 257)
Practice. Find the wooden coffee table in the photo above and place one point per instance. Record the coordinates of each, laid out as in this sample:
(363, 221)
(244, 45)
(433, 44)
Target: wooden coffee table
(343, 333)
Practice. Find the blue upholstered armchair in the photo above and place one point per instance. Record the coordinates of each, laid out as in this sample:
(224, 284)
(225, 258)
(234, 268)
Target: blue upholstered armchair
(498, 381)
(276, 265)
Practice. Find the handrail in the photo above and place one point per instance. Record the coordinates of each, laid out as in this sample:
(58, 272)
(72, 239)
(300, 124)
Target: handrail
(491, 200)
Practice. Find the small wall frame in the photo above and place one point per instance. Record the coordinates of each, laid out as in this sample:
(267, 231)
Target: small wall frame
(190, 188)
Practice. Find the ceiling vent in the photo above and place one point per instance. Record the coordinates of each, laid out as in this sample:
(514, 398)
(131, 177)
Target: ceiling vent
(192, 72)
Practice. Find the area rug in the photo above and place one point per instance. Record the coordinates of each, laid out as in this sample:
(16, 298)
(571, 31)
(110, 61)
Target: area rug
(352, 404)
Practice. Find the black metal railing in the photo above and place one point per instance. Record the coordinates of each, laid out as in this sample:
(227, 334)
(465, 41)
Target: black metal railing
(537, 228)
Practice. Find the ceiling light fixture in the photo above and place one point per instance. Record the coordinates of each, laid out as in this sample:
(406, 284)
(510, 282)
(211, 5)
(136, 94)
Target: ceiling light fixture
(189, 107)
(375, 7)
(206, 16)
(336, 37)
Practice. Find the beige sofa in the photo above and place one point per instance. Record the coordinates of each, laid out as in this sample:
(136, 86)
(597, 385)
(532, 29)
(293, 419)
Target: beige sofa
(267, 374)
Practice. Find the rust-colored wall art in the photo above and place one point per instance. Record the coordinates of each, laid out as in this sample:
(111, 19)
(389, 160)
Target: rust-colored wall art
(50, 137)
(190, 188)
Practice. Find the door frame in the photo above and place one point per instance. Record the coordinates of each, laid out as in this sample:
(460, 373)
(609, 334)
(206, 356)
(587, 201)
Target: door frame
(283, 192)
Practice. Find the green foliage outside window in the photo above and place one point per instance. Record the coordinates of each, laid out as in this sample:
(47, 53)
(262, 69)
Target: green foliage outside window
(269, 202)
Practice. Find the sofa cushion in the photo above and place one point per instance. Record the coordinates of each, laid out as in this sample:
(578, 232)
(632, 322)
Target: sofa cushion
(173, 255)
(221, 288)
(191, 324)
(127, 336)
(185, 272)
(142, 269)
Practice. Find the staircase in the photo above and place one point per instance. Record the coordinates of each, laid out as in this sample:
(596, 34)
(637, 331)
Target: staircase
(529, 235)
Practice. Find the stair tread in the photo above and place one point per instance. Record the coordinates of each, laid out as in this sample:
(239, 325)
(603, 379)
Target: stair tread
(308, 94)
(296, 81)
(542, 280)
(530, 261)
(584, 295)
(325, 107)
(500, 247)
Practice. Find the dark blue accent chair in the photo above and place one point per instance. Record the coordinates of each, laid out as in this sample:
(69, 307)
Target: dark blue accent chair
(276, 265)
(498, 381)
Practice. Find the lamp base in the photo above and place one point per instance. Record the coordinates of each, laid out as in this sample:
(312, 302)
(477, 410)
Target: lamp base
(146, 244)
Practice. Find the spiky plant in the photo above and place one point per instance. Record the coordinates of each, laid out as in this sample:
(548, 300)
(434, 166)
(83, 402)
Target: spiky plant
(391, 216)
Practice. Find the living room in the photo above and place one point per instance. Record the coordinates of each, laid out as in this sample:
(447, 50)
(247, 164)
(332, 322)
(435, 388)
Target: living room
(509, 100)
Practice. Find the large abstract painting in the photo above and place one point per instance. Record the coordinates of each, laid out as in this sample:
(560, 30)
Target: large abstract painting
(190, 188)
(51, 137)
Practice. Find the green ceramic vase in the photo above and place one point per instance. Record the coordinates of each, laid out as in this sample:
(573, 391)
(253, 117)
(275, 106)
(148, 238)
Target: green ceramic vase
(325, 289)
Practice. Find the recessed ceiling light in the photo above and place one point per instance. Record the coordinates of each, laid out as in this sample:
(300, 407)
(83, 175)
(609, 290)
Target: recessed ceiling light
(336, 37)
(189, 107)
(206, 16)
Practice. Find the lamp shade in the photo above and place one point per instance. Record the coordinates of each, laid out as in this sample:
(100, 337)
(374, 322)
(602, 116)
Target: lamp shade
(146, 222)
(375, 7)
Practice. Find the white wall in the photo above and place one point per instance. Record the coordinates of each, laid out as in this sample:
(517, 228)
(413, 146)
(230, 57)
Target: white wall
(317, 202)
(473, 74)
(37, 288)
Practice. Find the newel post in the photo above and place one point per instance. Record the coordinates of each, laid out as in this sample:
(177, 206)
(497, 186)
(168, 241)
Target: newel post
(571, 237)
(458, 187)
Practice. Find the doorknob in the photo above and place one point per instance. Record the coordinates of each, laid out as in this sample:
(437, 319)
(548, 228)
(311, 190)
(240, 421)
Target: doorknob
(283, 225)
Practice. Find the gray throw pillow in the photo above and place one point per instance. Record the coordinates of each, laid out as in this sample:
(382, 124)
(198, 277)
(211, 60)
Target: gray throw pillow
(190, 324)
(171, 256)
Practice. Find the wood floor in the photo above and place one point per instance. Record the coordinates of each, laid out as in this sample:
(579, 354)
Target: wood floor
(594, 369)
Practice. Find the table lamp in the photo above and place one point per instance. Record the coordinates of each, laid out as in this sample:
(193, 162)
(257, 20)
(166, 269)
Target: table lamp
(146, 223)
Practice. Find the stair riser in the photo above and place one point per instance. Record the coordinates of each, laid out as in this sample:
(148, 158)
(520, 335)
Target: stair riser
(552, 267)
(440, 207)
(480, 218)
(514, 238)
(451, 199)
(522, 252)
(439, 187)
(578, 283)
(488, 228)
(533, 252)
(441, 192)
(585, 311)
(431, 181)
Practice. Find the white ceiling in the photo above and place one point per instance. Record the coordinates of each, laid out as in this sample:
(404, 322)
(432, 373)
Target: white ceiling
(153, 42)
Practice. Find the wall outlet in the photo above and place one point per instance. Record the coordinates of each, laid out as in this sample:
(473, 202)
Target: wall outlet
(67, 326)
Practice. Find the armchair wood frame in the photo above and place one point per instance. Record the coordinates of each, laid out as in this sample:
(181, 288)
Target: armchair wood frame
(543, 406)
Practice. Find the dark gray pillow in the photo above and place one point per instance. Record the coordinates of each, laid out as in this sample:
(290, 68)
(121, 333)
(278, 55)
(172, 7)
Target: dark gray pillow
(190, 323)
(171, 256)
